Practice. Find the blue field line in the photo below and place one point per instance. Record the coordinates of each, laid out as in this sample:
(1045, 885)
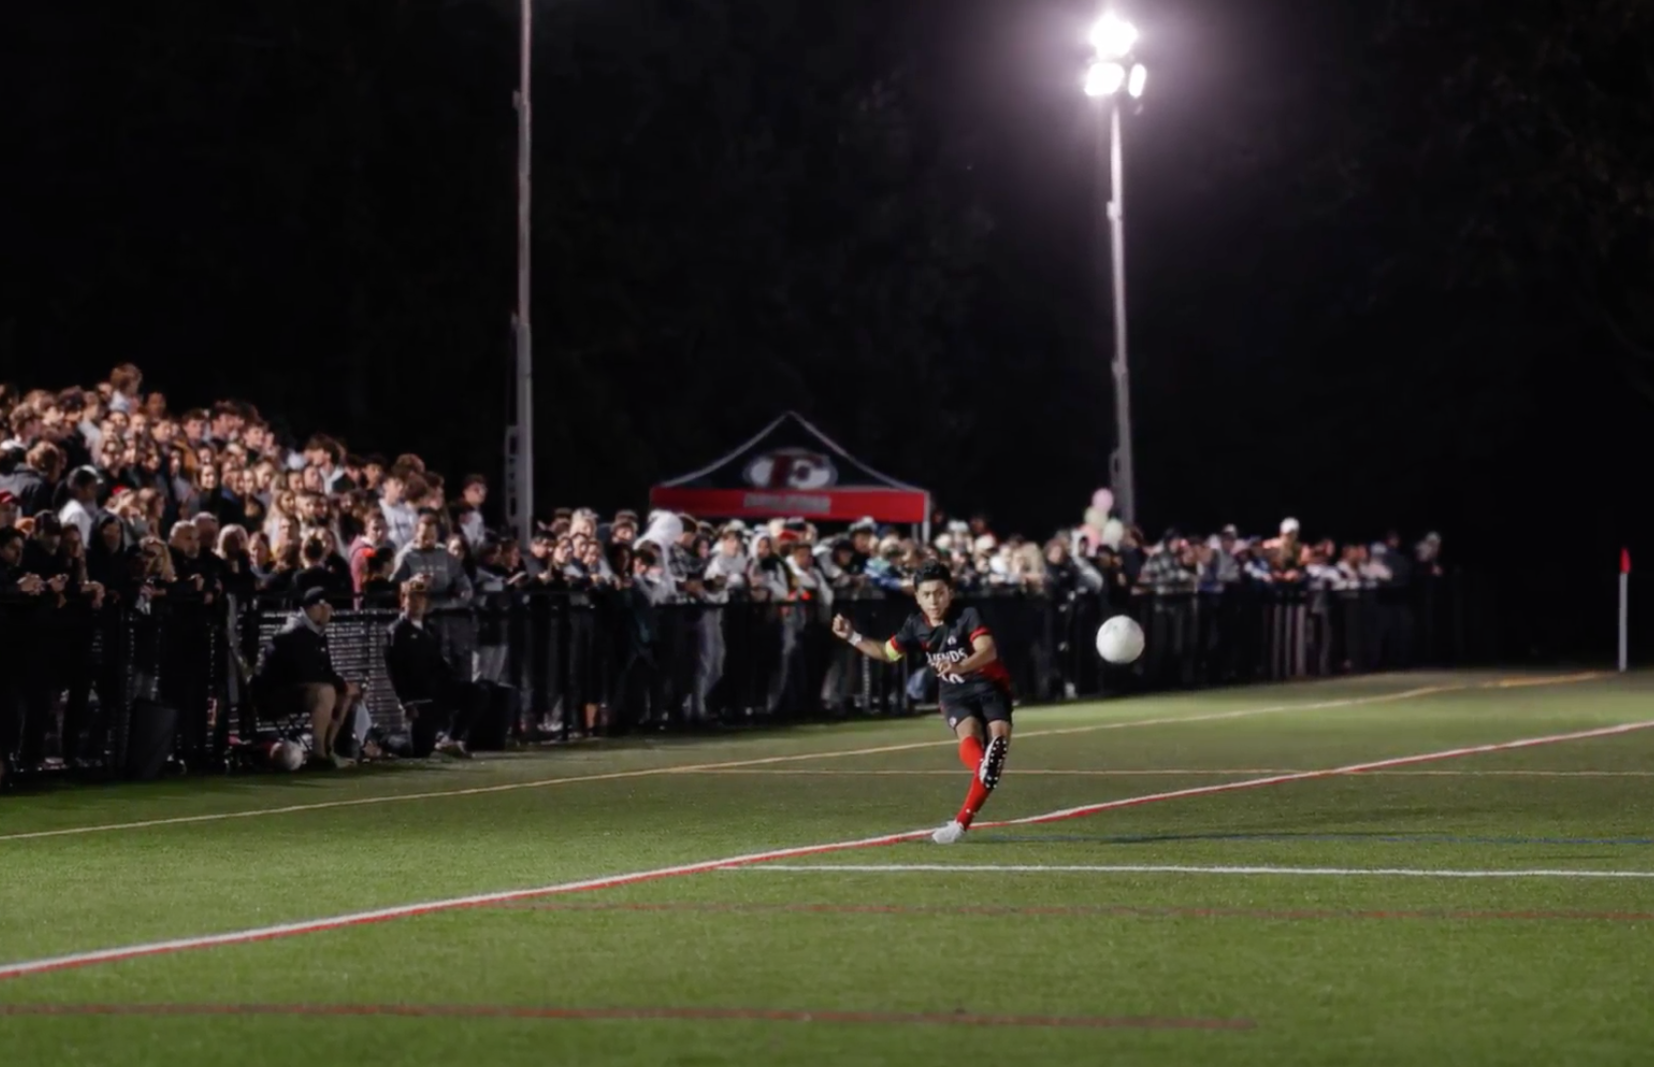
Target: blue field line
(988, 836)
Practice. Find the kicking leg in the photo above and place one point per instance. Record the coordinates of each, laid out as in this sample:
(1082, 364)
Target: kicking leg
(986, 762)
(988, 768)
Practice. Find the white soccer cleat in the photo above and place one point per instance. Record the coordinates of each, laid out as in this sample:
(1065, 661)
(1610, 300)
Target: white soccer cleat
(950, 833)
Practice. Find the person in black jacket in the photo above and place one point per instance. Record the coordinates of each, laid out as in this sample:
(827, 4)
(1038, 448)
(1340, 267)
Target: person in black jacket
(317, 574)
(22, 597)
(435, 699)
(41, 669)
(297, 673)
(28, 485)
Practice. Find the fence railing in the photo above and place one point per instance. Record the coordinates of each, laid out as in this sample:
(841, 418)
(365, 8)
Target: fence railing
(609, 661)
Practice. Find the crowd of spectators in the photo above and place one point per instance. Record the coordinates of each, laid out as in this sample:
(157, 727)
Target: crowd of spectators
(121, 498)
(110, 498)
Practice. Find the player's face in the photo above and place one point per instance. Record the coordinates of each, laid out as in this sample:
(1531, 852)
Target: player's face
(934, 598)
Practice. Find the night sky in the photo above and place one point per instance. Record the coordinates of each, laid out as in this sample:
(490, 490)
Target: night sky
(1386, 265)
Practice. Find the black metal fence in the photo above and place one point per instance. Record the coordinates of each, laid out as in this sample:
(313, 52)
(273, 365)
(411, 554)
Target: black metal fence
(609, 661)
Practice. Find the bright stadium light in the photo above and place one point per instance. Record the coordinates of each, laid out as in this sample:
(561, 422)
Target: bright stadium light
(1139, 75)
(1113, 37)
(1104, 79)
(1113, 74)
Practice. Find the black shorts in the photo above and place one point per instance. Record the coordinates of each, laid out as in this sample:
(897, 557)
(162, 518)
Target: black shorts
(994, 705)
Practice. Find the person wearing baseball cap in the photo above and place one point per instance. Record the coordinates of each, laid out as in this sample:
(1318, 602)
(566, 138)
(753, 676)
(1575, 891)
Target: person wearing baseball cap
(623, 530)
(298, 675)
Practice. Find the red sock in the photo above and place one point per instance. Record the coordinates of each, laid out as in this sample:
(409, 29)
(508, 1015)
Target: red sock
(973, 802)
(970, 754)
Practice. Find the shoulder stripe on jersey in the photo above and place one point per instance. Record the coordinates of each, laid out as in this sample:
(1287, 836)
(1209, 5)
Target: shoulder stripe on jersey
(980, 631)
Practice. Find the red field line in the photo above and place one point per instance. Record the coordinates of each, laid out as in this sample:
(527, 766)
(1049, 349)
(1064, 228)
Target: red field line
(1129, 911)
(616, 881)
(674, 1014)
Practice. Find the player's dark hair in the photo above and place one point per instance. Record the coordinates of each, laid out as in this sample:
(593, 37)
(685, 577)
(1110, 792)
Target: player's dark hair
(933, 571)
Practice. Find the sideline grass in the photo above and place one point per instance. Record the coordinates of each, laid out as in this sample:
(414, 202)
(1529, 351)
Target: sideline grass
(504, 780)
(727, 968)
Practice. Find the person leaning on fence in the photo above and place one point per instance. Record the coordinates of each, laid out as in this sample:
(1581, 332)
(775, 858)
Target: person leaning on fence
(297, 676)
(22, 598)
(425, 557)
(439, 705)
(378, 591)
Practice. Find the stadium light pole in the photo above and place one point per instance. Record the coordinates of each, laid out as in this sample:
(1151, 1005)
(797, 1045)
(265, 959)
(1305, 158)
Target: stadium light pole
(1113, 75)
(520, 446)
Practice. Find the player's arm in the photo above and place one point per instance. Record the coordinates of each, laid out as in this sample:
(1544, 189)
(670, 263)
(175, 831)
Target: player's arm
(887, 651)
(983, 650)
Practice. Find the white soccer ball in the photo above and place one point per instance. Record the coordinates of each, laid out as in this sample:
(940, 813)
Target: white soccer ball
(287, 756)
(1120, 640)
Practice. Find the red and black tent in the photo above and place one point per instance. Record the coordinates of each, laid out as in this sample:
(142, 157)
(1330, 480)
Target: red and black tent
(792, 469)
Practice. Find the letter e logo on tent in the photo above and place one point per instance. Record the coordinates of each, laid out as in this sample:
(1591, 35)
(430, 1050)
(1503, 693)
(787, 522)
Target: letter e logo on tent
(791, 468)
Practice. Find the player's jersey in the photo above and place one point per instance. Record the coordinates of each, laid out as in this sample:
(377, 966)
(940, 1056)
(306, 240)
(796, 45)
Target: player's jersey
(945, 646)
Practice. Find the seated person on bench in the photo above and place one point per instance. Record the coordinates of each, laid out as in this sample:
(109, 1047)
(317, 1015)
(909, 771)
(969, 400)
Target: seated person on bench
(297, 676)
(439, 704)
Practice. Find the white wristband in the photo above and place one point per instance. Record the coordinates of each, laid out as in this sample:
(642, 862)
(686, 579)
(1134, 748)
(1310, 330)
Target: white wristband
(853, 639)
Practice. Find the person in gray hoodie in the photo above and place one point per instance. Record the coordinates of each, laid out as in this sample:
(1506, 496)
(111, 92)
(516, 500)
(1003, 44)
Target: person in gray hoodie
(425, 557)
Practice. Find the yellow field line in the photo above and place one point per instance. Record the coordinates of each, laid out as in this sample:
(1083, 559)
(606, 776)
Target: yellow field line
(698, 768)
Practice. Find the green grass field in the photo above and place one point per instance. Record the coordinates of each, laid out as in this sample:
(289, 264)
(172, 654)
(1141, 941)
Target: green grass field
(1308, 921)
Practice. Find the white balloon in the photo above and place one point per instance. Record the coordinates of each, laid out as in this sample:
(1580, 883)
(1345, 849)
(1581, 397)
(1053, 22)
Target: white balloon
(664, 531)
(1114, 531)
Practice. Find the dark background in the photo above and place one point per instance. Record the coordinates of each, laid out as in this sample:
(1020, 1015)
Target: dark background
(1386, 264)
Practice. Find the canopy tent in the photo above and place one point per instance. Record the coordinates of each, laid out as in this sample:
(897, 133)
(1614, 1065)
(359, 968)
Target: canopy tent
(792, 469)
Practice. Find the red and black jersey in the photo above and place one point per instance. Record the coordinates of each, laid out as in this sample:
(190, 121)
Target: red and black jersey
(947, 645)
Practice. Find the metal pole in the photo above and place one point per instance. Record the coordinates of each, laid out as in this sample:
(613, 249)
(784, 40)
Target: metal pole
(1125, 486)
(524, 468)
(1625, 609)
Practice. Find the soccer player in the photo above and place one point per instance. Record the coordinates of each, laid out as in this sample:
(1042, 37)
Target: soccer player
(976, 687)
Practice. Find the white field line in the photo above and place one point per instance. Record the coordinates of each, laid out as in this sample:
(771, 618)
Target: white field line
(1515, 774)
(1169, 868)
(727, 765)
(267, 933)
(1182, 772)
(1347, 769)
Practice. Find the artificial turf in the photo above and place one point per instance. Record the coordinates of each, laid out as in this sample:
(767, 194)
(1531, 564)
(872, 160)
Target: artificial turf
(870, 955)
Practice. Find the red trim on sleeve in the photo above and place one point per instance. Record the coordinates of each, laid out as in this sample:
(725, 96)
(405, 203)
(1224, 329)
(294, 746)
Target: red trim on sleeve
(980, 631)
